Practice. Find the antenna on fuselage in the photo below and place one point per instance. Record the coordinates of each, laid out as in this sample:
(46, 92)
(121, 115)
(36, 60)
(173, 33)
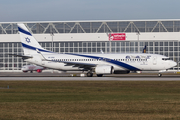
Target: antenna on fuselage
(101, 51)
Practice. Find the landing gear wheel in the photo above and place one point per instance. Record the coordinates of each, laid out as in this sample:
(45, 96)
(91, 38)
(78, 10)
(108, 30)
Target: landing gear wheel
(89, 74)
(159, 74)
(99, 75)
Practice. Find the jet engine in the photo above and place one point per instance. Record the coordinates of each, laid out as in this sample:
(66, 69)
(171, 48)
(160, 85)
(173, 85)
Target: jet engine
(39, 70)
(104, 69)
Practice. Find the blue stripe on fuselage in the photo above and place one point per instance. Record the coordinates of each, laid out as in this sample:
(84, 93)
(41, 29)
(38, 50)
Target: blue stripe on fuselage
(124, 65)
(24, 31)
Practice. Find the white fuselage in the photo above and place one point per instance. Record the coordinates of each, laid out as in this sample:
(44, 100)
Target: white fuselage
(130, 62)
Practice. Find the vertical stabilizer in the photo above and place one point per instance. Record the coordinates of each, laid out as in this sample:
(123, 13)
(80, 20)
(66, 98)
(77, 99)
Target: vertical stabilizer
(29, 43)
(144, 49)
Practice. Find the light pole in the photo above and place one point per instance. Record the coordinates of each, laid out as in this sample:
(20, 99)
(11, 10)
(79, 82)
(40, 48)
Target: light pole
(52, 34)
(110, 42)
(138, 33)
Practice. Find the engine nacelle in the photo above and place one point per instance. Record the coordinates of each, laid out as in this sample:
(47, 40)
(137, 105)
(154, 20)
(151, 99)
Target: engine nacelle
(39, 70)
(104, 69)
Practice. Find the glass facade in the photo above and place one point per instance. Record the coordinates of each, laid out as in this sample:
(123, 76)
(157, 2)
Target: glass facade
(95, 27)
(167, 48)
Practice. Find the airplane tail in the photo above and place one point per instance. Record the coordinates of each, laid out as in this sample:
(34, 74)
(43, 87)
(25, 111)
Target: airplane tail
(144, 49)
(29, 43)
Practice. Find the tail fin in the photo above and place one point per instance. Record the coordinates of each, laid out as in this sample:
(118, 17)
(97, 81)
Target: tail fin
(144, 49)
(29, 43)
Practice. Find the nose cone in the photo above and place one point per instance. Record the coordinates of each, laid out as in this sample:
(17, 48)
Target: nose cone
(24, 68)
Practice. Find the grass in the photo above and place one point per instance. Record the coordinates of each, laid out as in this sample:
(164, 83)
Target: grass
(87, 100)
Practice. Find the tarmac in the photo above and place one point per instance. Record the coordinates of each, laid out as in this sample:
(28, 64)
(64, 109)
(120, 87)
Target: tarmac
(18, 76)
(49, 74)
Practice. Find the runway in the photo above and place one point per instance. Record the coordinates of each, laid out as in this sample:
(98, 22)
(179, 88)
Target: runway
(68, 77)
(140, 78)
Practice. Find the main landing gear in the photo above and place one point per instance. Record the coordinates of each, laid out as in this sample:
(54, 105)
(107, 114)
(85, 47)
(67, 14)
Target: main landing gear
(89, 74)
(99, 75)
(159, 74)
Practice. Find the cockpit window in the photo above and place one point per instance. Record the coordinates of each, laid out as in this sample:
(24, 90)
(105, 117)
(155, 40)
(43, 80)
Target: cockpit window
(165, 58)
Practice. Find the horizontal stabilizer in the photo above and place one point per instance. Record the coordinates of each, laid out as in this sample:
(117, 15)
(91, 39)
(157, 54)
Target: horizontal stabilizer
(23, 56)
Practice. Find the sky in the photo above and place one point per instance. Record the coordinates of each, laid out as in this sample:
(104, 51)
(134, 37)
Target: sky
(77, 10)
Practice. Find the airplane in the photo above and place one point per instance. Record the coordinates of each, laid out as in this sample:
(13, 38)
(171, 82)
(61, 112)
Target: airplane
(100, 64)
(39, 69)
(32, 68)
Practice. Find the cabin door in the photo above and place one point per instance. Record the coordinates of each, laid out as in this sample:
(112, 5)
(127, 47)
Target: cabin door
(154, 60)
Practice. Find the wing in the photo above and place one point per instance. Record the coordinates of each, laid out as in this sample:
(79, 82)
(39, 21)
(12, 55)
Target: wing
(68, 63)
(78, 64)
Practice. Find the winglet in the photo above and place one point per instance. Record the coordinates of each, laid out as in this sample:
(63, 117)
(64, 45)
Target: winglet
(102, 51)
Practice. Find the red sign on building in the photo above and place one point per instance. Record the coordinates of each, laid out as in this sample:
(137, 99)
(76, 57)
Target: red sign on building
(117, 36)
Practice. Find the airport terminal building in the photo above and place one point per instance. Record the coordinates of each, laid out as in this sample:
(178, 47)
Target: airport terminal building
(111, 36)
